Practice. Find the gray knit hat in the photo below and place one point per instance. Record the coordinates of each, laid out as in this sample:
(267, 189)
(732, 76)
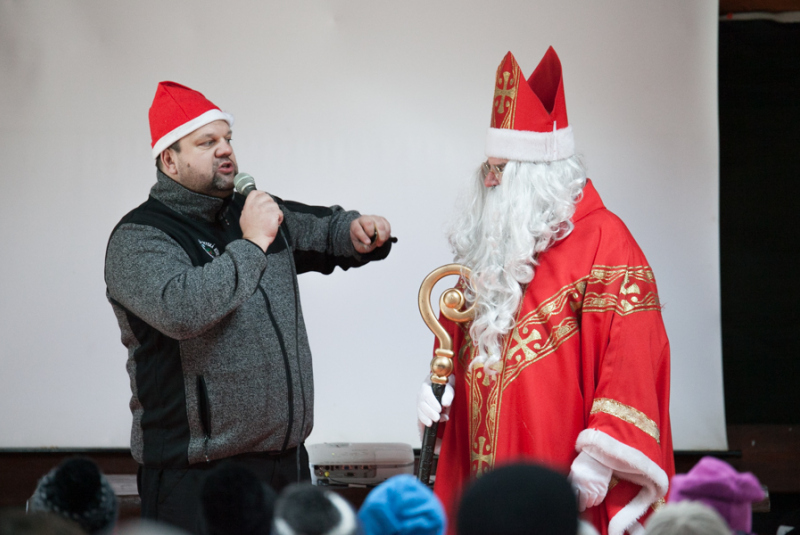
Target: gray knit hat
(78, 491)
(303, 509)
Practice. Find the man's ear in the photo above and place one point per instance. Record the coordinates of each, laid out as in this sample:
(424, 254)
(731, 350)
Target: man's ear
(168, 165)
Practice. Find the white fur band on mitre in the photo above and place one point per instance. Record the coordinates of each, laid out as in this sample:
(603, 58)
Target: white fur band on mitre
(526, 146)
(188, 127)
(631, 465)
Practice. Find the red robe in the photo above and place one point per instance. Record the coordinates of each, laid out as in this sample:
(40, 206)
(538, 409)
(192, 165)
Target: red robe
(585, 368)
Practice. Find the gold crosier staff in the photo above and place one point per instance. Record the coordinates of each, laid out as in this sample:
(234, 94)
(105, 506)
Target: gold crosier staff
(450, 304)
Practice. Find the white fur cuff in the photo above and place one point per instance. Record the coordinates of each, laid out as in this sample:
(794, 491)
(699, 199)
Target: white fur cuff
(629, 464)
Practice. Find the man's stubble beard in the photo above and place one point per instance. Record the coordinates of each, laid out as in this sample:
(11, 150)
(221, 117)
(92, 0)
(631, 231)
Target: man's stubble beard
(223, 182)
(500, 235)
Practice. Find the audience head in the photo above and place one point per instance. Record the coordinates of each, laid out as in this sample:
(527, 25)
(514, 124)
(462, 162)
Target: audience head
(686, 518)
(716, 484)
(78, 491)
(303, 509)
(234, 500)
(17, 522)
(519, 499)
(148, 527)
(402, 505)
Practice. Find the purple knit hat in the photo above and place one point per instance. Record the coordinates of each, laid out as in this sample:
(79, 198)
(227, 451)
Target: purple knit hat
(718, 485)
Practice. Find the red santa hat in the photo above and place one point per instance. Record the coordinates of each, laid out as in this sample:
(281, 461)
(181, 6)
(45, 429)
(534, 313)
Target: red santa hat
(177, 111)
(529, 117)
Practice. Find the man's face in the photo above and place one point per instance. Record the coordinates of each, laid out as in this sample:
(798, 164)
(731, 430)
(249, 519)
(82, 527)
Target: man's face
(491, 178)
(206, 162)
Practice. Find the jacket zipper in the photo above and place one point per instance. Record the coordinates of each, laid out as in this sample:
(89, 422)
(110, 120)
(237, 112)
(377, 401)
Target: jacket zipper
(289, 386)
(205, 413)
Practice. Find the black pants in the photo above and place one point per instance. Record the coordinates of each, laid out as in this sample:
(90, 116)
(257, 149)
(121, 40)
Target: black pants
(172, 496)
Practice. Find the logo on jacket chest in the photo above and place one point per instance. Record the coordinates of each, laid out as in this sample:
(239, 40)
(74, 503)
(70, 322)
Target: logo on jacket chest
(210, 248)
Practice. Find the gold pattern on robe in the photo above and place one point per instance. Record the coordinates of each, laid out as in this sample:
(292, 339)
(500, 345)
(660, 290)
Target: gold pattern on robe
(658, 504)
(534, 337)
(627, 414)
(631, 298)
(537, 335)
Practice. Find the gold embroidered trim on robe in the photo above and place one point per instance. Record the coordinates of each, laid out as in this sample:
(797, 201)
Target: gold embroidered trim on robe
(540, 333)
(536, 336)
(632, 298)
(628, 414)
(658, 504)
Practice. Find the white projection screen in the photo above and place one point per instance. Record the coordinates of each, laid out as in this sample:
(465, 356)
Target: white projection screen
(377, 106)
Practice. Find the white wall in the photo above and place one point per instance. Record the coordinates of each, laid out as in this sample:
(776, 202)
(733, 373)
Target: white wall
(377, 106)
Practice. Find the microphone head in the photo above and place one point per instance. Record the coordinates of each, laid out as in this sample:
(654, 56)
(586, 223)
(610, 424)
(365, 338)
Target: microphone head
(243, 183)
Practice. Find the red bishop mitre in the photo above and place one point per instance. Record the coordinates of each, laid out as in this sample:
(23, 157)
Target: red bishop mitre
(177, 111)
(529, 118)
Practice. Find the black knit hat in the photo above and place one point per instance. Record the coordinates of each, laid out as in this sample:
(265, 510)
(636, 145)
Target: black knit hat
(519, 499)
(236, 501)
(308, 510)
(77, 490)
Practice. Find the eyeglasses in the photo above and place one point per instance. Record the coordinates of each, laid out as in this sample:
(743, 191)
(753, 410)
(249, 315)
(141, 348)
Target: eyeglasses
(487, 168)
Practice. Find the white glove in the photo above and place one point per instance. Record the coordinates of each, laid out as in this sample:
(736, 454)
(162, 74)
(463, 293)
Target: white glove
(590, 479)
(428, 409)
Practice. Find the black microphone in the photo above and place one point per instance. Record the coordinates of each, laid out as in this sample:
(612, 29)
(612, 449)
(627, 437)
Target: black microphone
(243, 183)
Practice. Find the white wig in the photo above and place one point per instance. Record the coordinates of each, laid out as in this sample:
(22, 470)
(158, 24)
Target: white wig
(499, 235)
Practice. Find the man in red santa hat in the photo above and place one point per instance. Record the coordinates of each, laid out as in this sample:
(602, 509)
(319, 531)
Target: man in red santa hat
(566, 361)
(203, 283)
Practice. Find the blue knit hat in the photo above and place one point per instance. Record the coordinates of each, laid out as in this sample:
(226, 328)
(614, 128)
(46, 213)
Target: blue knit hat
(402, 506)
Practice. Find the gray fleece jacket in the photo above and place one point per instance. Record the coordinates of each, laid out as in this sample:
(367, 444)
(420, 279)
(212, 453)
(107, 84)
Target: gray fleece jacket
(218, 355)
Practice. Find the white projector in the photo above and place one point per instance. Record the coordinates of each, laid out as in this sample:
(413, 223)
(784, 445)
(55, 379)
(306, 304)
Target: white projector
(358, 463)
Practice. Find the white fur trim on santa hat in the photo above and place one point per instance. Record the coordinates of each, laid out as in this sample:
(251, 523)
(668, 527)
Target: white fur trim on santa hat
(629, 464)
(526, 146)
(188, 127)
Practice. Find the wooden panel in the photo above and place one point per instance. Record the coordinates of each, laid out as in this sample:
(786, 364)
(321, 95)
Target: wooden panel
(771, 452)
(771, 6)
(20, 471)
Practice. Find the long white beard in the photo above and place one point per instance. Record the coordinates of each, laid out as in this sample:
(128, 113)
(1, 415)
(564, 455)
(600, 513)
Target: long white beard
(499, 235)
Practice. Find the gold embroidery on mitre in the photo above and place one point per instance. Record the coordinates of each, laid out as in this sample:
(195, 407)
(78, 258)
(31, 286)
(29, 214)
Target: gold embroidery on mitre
(627, 414)
(505, 97)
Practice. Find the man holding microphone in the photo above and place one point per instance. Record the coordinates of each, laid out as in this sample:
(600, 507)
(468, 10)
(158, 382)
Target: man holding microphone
(203, 283)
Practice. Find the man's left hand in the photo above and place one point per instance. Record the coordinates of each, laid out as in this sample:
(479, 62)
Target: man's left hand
(369, 232)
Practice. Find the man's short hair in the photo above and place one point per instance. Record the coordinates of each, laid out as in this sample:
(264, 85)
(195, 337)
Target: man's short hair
(686, 518)
(175, 146)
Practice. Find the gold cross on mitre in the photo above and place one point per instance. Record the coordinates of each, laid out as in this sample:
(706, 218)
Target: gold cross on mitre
(503, 90)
